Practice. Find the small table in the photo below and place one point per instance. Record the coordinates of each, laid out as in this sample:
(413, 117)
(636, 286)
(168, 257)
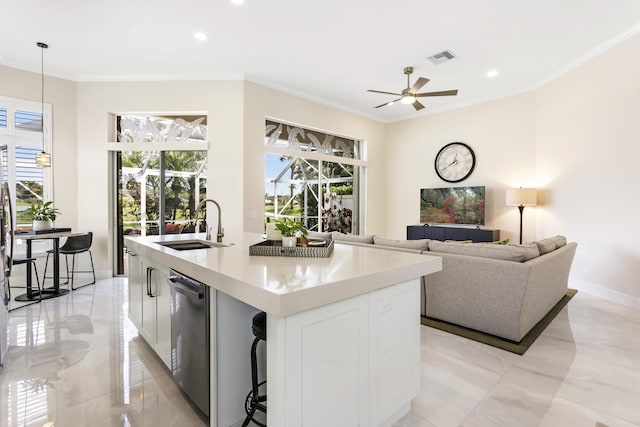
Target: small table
(55, 291)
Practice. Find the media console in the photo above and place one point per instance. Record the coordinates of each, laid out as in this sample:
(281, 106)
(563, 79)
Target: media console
(435, 232)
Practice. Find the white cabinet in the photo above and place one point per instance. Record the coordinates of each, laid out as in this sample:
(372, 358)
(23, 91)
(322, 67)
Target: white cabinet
(150, 303)
(351, 363)
(136, 286)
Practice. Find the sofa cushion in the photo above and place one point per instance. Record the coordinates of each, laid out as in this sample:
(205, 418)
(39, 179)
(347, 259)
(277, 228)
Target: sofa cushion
(546, 245)
(531, 250)
(418, 245)
(483, 250)
(366, 238)
(319, 235)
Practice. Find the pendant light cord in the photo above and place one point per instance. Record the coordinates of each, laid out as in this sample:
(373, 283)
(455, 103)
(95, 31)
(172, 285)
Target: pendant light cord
(42, 47)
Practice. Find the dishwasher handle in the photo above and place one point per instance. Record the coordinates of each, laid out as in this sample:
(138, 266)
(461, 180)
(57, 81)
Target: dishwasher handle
(185, 290)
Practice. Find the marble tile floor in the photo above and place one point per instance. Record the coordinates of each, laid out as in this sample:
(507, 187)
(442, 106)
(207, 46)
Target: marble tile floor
(78, 361)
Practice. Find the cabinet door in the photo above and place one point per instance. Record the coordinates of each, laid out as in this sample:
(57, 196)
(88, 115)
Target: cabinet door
(394, 349)
(479, 235)
(452, 233)
(434, 233)
(162, 298)
(326, 367)
(415, 232)
(136, 286)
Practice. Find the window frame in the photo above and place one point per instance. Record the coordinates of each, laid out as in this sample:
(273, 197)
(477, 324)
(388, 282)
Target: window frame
(360, 163)
(13, 137)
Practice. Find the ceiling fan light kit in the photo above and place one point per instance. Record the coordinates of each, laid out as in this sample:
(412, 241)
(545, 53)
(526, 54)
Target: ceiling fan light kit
(408, 99)
(410, 94)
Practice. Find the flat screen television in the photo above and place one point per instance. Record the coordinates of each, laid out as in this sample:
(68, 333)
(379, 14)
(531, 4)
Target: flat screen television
(454, 205)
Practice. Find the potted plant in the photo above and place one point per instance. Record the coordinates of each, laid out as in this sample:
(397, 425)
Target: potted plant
(43, 214)
(290, 229)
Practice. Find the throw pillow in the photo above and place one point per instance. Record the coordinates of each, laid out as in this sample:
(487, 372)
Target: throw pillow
(559, 240)
(366, 238)
(418, 245)
(501, 242)
(546, 245)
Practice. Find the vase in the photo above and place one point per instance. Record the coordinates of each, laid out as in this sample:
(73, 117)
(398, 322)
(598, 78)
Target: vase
(42, 225)
(272, 232)
(289, 241)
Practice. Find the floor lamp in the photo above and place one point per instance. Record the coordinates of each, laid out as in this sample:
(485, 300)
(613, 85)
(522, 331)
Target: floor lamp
(521, 197)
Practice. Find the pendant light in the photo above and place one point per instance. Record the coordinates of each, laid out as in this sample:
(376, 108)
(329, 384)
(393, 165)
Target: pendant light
(43, 159)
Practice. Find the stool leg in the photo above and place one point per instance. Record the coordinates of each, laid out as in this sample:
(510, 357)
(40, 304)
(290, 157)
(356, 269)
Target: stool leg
(35, 270)
(254, 369)
(254, 403)
(73, 269)
(44, 276)
(250, 415)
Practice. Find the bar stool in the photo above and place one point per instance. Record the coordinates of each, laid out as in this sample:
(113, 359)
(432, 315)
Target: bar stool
(254, 400)
(74, 245)
(30, 262)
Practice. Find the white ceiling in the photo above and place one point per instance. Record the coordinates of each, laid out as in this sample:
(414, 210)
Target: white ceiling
(330, 51)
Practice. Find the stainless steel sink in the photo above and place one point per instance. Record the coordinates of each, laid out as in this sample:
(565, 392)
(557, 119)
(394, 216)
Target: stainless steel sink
(189, 245)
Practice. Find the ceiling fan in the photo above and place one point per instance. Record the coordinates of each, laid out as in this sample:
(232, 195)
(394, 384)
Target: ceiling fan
(409, 95)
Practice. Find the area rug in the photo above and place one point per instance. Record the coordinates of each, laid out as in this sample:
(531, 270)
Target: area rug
(492, 340)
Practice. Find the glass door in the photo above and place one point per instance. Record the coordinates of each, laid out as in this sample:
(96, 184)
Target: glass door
(157, 193)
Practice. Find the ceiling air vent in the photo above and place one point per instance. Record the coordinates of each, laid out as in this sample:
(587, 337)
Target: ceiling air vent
(441, 57)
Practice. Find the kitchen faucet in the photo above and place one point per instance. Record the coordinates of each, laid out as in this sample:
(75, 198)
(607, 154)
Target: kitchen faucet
(220, 229)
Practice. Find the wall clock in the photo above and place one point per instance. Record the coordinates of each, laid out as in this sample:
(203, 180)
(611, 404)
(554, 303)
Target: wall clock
(455, 162)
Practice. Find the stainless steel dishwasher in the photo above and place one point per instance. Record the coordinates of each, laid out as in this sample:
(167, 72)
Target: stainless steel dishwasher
(190, 338)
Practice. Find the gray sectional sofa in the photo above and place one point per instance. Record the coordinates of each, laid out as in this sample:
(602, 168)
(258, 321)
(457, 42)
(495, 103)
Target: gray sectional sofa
(503, 290)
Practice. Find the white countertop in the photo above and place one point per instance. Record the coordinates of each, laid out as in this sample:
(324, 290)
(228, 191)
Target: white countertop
(282, 286)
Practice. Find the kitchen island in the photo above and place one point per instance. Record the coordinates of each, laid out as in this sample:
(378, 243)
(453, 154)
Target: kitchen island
(343, 339)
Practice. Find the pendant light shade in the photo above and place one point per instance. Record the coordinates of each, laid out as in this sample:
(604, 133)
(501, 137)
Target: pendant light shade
(43, 159)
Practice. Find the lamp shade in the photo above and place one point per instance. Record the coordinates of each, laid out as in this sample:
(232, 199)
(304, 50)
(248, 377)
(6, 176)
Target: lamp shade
(522, 197)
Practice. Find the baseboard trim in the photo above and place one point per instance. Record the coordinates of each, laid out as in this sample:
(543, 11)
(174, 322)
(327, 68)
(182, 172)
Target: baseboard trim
(608, 294)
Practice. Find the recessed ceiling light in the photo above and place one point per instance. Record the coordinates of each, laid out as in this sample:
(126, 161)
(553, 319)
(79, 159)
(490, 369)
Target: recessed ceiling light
(200, 36)
(492, 73)
(237, 1)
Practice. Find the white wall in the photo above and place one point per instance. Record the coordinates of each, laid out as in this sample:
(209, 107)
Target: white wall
(261, 102)
(221, 100)
(588, 151)
(502, 135)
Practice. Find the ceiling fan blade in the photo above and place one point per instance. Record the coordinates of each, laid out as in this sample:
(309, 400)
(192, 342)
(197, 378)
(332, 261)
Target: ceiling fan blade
(418, 84)
(386, 93)
(387, 103)
(441, 93)
(417, 105)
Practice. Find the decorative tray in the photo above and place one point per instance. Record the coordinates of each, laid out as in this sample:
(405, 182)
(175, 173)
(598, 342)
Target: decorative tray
(275, 248)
